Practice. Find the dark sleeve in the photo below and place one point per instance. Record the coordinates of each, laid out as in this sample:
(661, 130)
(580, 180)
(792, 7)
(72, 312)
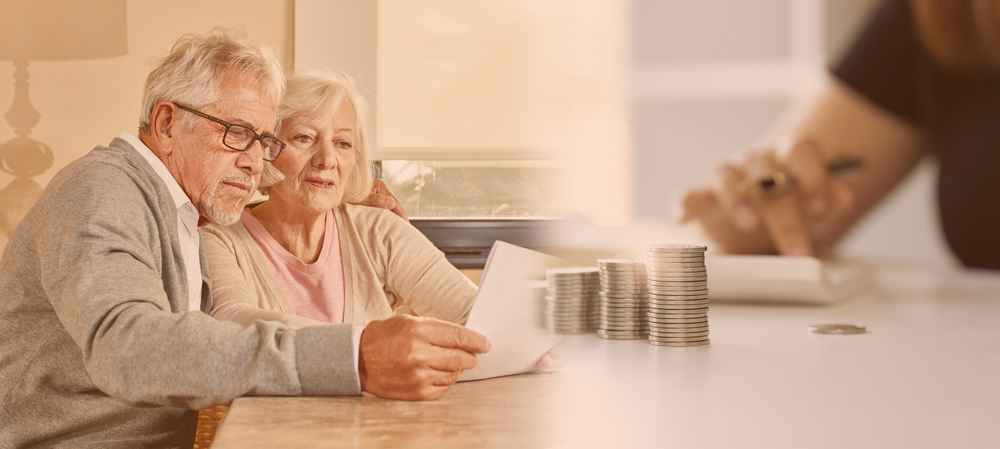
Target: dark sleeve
(884, 61)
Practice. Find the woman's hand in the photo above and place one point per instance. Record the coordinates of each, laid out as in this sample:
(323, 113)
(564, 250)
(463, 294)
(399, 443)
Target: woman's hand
(745, 219)
(380, 196)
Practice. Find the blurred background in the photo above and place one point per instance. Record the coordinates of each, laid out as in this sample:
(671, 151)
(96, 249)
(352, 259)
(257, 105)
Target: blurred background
(711, 78)
(489, 113)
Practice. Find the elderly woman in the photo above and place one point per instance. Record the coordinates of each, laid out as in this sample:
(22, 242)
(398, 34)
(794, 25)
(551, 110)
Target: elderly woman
(308, 256)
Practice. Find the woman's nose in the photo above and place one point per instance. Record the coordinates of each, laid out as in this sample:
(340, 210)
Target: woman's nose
(326, 157)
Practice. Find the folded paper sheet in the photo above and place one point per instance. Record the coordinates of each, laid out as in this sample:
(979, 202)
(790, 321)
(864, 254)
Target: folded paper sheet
(508, 312)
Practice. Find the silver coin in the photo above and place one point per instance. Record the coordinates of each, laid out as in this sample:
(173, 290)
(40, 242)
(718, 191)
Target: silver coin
(665, 276)
(653, 259)
(671, 246)
(679, 288)
(632, 289)
(678, 332)
(678, 322)
(571, 300)
(678, 327)
(672, 292)
(626, 281)
(677, 344)
(622, 297)
(572, 281)
(569, 307)
(677, 277)
(630, 324)
(568, 318)
(676, 266)
(838, 329)
(692, 338)
(633, 270)
(677, 291)
(687, 344)
(622, 319)
(677, 309)
(667, 303)
(664, 299)
(622, 303)
(564, 310)
(661, 315)
(668, 283)
(675, 297)
(621, 337)
(572, 285)
(620, 332)
(566, 296)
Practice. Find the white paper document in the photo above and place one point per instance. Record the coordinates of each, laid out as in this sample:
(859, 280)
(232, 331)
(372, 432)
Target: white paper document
(786, 279)
(509, 311)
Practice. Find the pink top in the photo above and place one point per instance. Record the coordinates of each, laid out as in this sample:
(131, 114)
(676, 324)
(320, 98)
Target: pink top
(313, 290)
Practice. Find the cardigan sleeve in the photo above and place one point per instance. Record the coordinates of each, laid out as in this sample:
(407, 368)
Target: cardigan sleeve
(418, 273)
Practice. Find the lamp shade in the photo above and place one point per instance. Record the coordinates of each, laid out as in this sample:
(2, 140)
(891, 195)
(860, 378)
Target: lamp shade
(63, 30)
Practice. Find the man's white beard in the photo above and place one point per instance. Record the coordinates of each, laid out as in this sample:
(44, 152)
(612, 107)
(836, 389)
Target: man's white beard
(215, 212)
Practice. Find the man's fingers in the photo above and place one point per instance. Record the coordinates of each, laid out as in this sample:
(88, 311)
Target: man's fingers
(784, 222)
(445, 378)
(448, 359)
(451, 335)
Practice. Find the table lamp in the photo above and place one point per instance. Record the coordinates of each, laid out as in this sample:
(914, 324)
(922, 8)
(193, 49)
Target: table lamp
(46, 30)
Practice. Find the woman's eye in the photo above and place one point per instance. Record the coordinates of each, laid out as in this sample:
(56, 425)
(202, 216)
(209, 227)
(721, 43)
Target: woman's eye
(344, 144)
(303, 139)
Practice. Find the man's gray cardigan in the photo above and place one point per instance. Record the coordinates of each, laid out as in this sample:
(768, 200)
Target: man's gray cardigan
(97, 347)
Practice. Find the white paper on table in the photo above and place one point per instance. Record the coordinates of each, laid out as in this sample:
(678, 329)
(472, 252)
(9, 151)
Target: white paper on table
(507, 312)
(786, 279)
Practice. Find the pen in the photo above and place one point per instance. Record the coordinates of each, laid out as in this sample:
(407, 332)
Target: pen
(778, 181)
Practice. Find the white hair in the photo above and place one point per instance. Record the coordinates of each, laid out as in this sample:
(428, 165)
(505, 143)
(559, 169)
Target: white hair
(190, 74)
(307, 93)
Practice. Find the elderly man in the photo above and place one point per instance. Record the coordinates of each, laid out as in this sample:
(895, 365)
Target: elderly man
(102, 338)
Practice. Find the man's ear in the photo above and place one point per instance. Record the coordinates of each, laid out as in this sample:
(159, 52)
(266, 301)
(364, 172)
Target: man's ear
(164, 124)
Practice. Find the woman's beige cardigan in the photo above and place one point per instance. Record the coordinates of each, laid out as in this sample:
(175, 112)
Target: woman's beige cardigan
(389, 267)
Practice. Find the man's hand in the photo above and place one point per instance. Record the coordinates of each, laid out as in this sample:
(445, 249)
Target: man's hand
(415, 358)
(380, 196)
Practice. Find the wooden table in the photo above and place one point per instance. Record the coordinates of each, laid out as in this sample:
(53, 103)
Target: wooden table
(926, 375)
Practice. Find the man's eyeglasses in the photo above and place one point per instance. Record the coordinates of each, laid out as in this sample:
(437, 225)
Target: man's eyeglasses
(241, 138)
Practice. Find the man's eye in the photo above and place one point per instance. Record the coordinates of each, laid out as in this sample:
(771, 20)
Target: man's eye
(344, 144)
(303, 139)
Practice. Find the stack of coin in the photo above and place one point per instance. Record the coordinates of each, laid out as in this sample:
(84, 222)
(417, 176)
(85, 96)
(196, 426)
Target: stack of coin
(621, 309)
(572, 295)
(677, 284)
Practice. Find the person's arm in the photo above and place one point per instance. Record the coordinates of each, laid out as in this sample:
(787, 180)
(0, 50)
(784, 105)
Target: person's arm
(870, 110)
(100, 269)
(419, 273)
(821, 209)
(232, 292)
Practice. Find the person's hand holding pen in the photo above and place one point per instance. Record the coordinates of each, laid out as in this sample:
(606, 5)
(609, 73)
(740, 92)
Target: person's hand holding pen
(770, 202)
